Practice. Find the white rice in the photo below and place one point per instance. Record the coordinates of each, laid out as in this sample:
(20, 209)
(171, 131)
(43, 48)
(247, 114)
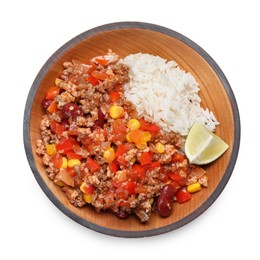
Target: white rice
(165, 94)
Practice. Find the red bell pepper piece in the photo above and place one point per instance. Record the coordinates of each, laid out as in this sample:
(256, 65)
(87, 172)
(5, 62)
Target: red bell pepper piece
(145, 158)
(130, 187)
(114, 96)
(52, 93)
(64, 145)
(92, 165)
(182, 195)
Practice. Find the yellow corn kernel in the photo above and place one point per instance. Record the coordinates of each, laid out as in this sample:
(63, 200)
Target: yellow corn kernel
(64, 163)
(147, 136)
(51, 149)
(116, 112)
(133, 124)
(58, 81)
(141, 146)
(160, 147)
(83, 184)
(73, 162)
(87, 198)
(59, 183)
(109, 155)
(194, 187)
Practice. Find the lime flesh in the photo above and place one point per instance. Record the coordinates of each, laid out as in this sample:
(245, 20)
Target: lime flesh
(202, 146)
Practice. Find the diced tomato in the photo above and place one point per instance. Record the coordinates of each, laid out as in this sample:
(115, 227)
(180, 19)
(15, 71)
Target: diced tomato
(146, 126)
(57, 128)
(92, 165)
(130, 187)
(182, 195)
(175, 176)
(145, 158)
(72, 155)
(52, 93)
(92, 80)
(178, 157)
(102, 75)
(64, 145)
(53, 107)
(113, 167)
(57, 160)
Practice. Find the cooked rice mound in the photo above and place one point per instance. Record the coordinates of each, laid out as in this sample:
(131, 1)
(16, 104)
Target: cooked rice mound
(165, 94)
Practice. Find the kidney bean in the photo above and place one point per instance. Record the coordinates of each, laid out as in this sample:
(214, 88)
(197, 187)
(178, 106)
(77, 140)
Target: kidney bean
(164, 206)
(72, 110)
(168, 191)
(122, 214)
(46, 103)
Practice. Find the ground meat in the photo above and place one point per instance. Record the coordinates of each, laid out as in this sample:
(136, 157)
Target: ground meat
(75, 196)
(40, 147)
(64, 98)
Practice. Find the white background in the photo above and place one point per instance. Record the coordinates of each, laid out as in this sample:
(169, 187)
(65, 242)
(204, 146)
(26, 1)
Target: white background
(30, 225)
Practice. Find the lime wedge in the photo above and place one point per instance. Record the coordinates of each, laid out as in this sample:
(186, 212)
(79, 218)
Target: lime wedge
(202, 146)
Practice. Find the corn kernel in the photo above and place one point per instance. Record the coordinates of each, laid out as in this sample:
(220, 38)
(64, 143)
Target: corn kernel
(147, 136)
(133, 124)
(141, 146)
(73, 162)
(58, 81)
(116, 112)
(109, 155)
(64, 164)
(51, 149)
(83, 184)
(194, 187)
(160, 147)
(87, 198)
(59, 183)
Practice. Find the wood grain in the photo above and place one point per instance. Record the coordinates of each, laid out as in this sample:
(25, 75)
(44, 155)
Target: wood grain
(216, 94)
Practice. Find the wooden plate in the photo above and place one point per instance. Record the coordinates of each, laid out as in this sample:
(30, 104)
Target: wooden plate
(125, 38)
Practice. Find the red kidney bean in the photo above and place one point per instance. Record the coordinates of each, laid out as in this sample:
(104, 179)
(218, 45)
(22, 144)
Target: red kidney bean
(101, 119)
(164, 206)
(46, 103)
(168, 191)
(72, 110)
(122, 214)
(65, 124)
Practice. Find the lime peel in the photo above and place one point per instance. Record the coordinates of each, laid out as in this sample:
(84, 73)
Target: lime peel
(202, 146)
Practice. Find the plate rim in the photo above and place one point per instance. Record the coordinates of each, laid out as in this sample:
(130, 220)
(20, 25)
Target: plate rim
(164, 30)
